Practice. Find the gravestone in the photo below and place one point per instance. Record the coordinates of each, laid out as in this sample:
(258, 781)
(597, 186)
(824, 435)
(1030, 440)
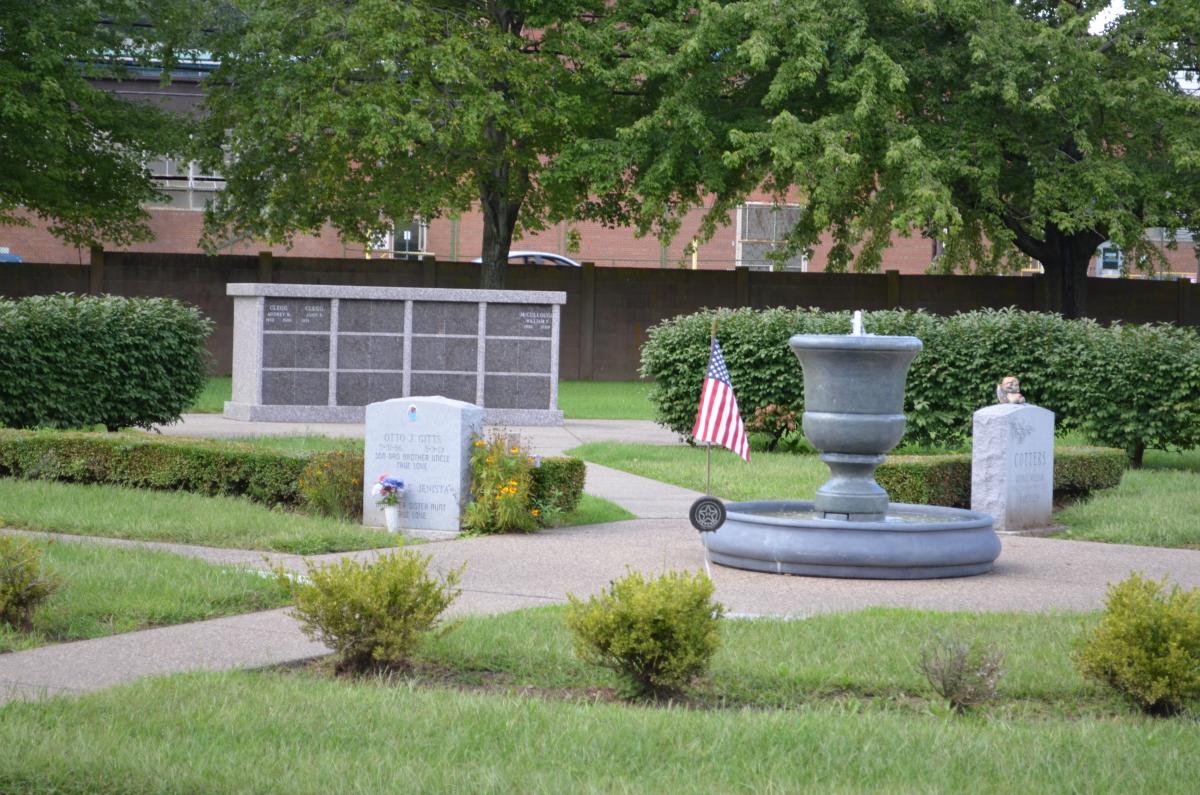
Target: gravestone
(426, 442)
(1012, 465)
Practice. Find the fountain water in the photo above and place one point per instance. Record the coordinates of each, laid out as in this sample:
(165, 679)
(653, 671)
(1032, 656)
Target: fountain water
(853, 415)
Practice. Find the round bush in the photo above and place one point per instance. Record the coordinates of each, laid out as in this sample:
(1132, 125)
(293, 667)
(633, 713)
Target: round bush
(1147, 646)
(373, 614)
(660, 633)
(70, 361)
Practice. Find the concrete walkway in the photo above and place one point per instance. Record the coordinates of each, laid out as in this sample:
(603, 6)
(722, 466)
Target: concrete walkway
(511, 572)
(514, 571)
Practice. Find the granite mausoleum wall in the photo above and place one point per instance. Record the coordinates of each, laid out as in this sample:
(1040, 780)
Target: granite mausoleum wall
(321, 353)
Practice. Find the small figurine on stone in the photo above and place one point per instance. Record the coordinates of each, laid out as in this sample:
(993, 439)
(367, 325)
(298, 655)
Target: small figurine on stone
(1009, 390)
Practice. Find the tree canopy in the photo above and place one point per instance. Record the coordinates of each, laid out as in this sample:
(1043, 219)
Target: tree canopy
(369, 112)
(1002, 128)
(73, 154)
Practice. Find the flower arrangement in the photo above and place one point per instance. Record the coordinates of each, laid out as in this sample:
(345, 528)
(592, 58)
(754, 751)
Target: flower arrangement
(388, 490)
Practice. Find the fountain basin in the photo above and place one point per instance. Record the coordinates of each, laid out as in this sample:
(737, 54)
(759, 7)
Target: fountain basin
(910, 542)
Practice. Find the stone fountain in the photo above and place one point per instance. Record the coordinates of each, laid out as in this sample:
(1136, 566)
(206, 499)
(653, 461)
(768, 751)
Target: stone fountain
(853, 415)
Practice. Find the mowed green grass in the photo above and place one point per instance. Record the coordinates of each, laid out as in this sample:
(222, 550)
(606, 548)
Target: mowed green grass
(781, 476)
(108, 590)
(177, 517)
(868, 654)
(826, 704)
(579, 400)
(212, 398)
(605, 400)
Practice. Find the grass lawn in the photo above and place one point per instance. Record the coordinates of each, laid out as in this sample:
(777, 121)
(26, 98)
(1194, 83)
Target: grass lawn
(605, 400)
(595, 510)
(782, 476)
(107, 590)
(579, 400)
(212, 399)
(827, 704)
(178, 517)
(1151, 507)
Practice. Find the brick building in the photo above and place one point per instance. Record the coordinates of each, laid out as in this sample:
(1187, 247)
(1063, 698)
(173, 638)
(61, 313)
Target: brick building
(751, 231)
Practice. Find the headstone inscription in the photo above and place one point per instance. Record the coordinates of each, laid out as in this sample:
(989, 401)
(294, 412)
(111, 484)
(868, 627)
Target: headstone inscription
(1012, 465)
(426, 442)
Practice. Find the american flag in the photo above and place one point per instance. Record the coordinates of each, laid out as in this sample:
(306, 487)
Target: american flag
(718, 420)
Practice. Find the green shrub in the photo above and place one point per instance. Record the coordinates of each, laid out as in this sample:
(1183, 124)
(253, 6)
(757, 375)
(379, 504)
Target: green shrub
(660, 633)
(144, 462)
(331, 485)
(71, 361)
(1099, 380)
(1082, 470)
(373, 614)
(24, 584)
(946, 479)
(965, 674)
(1147, 645)
(1147, 385)
(927, 479)
(556, 485)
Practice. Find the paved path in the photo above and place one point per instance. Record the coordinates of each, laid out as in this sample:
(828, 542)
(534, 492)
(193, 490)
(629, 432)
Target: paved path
(514, 571)
(510, 572)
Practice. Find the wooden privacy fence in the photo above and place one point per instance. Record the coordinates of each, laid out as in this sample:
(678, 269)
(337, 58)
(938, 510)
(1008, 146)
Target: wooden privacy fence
(608, 310)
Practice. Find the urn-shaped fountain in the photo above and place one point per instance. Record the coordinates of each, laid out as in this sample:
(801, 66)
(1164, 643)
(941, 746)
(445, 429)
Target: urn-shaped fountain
(853, 415)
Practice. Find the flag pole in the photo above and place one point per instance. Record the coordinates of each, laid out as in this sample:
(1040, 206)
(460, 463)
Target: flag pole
(712, 336)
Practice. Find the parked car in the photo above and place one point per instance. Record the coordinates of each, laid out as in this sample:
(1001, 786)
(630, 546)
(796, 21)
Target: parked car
(536, 258)
(5, 256)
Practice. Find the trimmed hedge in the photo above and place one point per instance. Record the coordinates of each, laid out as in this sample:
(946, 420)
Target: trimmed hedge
(70, 361)
(946, 479)
(142, 462)
(220, 467)
(1127, 386)
(558, 480)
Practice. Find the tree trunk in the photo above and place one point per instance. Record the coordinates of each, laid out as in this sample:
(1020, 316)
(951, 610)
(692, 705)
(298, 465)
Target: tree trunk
(499, 221)
(1065, 259)
(1137, 454)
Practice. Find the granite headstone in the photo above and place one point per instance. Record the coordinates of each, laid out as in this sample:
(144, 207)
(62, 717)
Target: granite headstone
(1012, 465)
(426, 442)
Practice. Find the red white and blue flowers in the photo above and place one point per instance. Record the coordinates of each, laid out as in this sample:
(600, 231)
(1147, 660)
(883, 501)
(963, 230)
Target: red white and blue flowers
(388, 490)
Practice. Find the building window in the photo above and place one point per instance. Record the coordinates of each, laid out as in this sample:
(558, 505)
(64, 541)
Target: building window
(762, 229)
(186, 185)
(402, 242)
(1109, 260)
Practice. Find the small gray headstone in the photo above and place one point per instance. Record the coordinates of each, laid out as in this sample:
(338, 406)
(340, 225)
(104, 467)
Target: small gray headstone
(426, 442)
(1012, 465)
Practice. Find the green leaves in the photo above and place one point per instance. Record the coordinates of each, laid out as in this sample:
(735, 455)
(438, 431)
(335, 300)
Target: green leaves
(73, 362)
(1130, 387)
(71, 153)
(384, 110)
